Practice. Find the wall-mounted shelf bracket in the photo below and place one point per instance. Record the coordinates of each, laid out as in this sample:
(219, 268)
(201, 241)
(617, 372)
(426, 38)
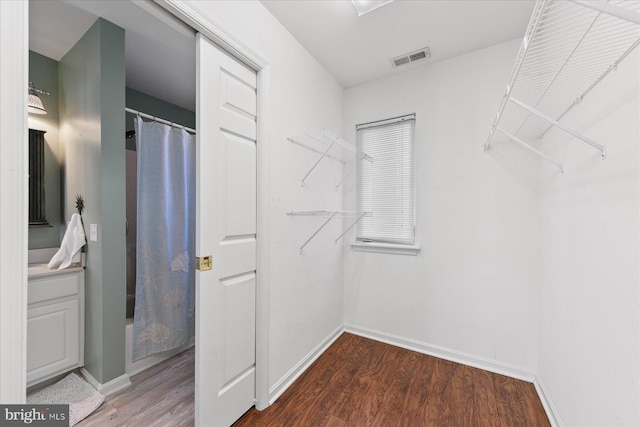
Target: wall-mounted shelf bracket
(530, 148)
(317, 231)
(351, 226)
(324, 154)
(361, 157)
(329, 215)
(576, 134)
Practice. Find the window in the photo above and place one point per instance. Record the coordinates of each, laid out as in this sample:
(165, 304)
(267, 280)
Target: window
(385, 185)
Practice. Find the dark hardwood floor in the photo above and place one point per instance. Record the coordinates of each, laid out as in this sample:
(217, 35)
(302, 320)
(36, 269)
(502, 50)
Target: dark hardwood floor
(361, 382)
(356, 382)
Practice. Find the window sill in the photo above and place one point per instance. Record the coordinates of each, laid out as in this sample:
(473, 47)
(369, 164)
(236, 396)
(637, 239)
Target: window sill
(385, 248)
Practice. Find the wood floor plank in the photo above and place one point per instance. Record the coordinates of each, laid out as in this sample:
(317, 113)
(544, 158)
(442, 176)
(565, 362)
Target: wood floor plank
(402, 368)
(484, 400)
(418, 400)
(443, 410)
(531, 405)
(334, 421)
(508, 404)
(462, 396)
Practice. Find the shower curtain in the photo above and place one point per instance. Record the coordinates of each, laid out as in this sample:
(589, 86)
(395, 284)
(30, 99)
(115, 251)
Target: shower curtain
(165, 279)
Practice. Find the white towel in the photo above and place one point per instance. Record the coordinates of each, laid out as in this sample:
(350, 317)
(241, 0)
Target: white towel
(73, 240)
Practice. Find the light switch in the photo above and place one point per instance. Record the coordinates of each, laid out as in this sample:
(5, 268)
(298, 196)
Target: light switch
(93, 232)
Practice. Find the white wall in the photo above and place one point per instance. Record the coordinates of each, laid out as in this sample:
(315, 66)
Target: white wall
(305, 290)
(589, 298)
(470, 294)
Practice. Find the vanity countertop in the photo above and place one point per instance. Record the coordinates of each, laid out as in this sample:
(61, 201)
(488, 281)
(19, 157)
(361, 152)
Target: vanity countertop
(39, 258)
(40, 270)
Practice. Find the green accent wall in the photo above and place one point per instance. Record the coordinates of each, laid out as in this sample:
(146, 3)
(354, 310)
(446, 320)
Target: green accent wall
(43, 72)
(92, 127)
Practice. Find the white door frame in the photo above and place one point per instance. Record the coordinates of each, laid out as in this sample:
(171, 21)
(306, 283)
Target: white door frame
(14, 154)
(189, 13)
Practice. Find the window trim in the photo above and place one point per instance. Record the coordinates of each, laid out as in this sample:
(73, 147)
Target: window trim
(383, 122)
(385, 248)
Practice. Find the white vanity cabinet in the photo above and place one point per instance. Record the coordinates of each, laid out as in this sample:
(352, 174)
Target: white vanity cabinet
(55, 322)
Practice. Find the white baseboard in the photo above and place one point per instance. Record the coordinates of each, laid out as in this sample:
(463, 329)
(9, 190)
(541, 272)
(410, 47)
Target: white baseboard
(293, 374)
(490, 365)
(113, 386)
(552, 414)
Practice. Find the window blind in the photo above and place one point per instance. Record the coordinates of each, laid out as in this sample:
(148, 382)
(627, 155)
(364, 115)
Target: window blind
(385, 186)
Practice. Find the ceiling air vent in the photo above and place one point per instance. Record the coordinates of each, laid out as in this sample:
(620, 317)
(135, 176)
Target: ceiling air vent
(408, 58)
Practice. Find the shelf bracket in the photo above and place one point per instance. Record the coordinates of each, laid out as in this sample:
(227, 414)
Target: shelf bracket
(530, 148)
(317, 231)
(348, 174)
(326, 152)
(351, 226)
(603, 151)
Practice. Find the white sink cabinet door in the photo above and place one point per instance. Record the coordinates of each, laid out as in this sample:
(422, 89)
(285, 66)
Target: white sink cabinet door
(53, 339)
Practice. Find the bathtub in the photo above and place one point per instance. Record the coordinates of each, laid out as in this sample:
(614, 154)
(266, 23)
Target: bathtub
(132, 368)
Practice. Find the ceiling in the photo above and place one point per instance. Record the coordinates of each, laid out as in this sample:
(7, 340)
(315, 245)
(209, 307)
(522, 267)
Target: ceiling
(358, 49)
(160, 50)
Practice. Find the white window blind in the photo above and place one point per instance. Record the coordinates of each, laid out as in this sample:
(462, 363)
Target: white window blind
(385, 186)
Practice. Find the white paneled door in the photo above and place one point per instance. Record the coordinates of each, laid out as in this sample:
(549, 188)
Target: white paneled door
(226, 230)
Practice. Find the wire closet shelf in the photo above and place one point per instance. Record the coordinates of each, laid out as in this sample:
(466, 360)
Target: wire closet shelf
(329, 146)
(569, 47)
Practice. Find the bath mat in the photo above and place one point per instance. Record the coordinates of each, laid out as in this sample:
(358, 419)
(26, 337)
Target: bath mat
(81, 397)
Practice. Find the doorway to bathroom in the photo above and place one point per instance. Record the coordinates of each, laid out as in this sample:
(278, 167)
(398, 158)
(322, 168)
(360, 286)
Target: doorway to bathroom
(153, 70)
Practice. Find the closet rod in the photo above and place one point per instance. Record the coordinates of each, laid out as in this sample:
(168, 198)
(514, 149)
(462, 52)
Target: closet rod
(158, 119)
